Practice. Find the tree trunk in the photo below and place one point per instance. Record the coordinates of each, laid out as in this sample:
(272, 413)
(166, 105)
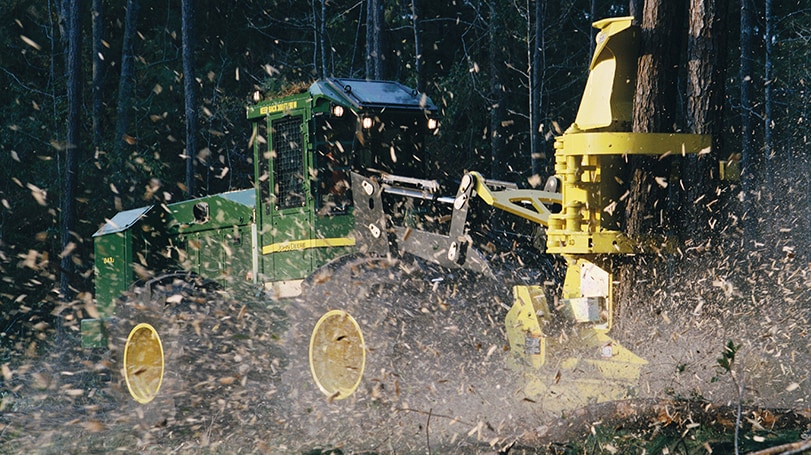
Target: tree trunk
(377, 39)
(537, 157)
(126, 83)
(497, 108)
(323, 39)
(370, 37)
(654, 111)
(646, 210)
(72, 147)
(190, 97)
(768, 120)
(98, 73)
(415, 23)
(750, 159)
(374, 40)
(655, 102)
(705, 106)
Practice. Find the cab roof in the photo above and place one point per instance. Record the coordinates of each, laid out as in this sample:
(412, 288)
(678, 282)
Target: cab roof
(362, 94)
(356, 94)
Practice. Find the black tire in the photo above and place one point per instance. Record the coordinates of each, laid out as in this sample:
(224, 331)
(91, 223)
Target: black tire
(434, 369)
(218, 359)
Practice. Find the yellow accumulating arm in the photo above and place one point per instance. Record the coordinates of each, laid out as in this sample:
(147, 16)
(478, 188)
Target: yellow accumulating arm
(608, 97)
(528, 204)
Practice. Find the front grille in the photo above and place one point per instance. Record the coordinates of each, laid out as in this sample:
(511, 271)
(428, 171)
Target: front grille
(288, 166)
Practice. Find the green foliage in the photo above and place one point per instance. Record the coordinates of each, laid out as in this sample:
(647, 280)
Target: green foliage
(674, 439)
(727, 359)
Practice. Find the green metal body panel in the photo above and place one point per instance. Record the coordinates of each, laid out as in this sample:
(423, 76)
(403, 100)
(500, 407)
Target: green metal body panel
(333, 227)
(124, 247)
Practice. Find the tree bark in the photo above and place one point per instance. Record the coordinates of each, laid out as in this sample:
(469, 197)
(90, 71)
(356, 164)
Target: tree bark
(72, 147)
(190, 97)
(655, 102)
(646, 209)
(654, 111)
(705, 106)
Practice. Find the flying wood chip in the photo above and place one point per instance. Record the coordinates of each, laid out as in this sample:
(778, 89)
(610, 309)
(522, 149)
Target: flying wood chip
(30, 42)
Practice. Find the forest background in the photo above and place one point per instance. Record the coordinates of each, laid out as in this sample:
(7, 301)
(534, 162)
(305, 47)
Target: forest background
(113, 105)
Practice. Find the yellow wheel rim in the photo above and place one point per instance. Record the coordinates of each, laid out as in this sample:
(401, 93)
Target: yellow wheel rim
(337, 354)
(143, 363)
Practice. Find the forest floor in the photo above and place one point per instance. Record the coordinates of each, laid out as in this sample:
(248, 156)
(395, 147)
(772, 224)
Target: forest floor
(453, 396)
(63, 406)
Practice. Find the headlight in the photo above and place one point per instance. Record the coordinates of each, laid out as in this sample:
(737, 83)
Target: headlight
(338, 111)
(367, 123)
(433, 124)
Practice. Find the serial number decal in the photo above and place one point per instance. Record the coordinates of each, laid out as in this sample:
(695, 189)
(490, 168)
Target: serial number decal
(272, 109)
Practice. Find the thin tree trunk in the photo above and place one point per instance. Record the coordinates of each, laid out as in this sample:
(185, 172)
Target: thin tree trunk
(415, 23)
(190, 96)
(496, 97)
(592, 30)
(750, 160)
(126, 83)
(768, 145)
(315, 38)
(374, 40)
(536, 90)
(73, 146)
(323, 39)
(370, 36)
(98, 73)
(377, 20)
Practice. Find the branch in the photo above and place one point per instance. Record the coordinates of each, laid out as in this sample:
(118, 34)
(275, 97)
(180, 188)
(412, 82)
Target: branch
(21, 84)
(786, 449)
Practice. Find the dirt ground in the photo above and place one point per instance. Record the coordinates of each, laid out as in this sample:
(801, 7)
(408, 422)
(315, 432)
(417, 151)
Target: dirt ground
(437, 380)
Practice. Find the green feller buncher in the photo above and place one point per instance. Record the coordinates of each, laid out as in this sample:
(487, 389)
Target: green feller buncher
(372, 311)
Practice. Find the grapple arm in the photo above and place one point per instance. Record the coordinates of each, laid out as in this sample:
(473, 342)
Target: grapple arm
(374, 232)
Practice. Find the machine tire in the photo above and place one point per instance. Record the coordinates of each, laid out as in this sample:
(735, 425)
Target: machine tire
(434, 357)
(218, 357)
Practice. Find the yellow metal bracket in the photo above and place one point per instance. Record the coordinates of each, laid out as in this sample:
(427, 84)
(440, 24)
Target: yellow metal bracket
(523, 325)
(588, 165)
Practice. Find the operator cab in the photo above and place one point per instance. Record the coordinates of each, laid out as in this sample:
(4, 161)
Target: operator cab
(305, 146)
